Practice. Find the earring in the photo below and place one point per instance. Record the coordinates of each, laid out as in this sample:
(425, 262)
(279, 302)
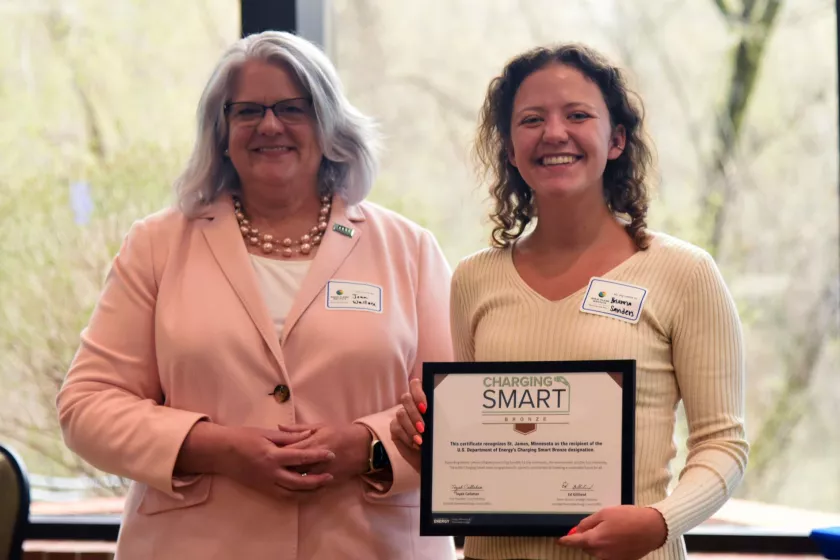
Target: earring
(227, 152)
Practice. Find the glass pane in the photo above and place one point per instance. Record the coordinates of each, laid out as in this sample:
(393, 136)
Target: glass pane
(748, 158)
(99, 99)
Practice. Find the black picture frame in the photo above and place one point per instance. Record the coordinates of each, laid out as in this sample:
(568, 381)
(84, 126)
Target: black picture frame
(508, 524)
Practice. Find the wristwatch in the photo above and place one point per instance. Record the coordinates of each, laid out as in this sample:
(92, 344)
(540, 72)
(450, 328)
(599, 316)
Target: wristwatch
(378, 460)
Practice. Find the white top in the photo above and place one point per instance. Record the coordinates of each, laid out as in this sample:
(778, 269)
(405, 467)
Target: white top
(279, 282)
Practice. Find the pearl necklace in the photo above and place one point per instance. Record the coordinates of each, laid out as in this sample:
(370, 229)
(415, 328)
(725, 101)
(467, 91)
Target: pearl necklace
(287, 247)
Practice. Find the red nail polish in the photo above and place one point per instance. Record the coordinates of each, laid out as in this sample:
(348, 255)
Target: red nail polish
(418, 440)
(420, 427)
(573, 531)
(422, 408)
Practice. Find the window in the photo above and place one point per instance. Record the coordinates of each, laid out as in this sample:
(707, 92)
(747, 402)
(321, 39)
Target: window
(748, 161)
(99, 101)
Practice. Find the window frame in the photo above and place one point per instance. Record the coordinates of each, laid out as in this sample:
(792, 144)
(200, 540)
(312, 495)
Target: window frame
(708, 540)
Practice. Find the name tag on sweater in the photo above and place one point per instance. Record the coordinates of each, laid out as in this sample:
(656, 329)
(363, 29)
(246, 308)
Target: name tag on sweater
(354, 295)
(614, 299)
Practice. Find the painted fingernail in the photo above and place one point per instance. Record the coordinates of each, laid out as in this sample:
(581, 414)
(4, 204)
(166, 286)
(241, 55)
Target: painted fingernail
(422, 408)
(572, 531)
(418, 440)
(420, 427)
(330, 455)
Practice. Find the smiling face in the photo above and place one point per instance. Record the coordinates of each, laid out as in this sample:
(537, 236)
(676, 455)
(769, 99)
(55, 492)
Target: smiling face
(272, 153)
(561, 134)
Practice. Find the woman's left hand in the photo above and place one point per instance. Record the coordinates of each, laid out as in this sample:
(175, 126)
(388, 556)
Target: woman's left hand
(619, 533)
(350, 443)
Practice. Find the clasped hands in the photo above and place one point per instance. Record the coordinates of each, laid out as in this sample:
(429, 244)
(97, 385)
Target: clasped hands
(295, 460)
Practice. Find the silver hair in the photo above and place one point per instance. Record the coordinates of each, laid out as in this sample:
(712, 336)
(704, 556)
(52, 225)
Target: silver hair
(349, 140)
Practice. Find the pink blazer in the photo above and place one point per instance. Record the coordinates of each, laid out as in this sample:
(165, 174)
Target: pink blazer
(181, 333)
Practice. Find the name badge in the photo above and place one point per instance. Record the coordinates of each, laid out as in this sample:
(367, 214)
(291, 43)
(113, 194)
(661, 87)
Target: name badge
(614, 299)
(354, 295)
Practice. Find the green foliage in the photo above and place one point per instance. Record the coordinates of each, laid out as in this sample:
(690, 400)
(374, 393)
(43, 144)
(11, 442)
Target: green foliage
(101, 93)
(53, 269)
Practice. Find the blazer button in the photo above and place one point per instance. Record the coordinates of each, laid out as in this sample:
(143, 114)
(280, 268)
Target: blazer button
(281, 393)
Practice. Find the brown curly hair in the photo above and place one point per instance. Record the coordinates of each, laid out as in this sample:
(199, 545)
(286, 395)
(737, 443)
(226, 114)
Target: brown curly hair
(625, 190)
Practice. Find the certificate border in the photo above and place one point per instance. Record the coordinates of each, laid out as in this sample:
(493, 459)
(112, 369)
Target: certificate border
(523, 524)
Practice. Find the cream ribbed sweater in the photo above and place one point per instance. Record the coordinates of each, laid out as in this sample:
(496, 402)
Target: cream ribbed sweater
(687, 344)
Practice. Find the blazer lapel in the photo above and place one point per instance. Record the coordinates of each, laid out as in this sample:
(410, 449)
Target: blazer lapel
(221, 231)
(334, 249)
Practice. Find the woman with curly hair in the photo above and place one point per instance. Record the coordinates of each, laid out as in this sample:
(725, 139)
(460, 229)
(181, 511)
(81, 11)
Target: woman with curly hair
(561, 138)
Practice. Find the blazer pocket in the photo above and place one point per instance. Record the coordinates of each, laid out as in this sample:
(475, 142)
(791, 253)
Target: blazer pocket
(405, 499)
(194, 493)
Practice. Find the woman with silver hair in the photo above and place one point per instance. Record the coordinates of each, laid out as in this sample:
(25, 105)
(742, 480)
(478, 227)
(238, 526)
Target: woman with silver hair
(248, 352)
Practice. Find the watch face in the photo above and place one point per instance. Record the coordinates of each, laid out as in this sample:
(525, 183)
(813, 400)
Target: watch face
(380, 457)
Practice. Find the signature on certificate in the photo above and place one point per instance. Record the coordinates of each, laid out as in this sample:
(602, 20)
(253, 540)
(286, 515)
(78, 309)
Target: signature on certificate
(567, 486)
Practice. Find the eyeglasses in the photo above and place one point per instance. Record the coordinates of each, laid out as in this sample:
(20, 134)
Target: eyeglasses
(288, 111)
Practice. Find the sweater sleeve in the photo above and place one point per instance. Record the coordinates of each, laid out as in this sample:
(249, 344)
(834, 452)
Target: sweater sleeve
(708, 357)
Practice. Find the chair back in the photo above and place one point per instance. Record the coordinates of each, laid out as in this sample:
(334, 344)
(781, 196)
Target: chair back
(14, 504)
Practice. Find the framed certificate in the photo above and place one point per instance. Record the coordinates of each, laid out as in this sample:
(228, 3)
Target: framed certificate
(525, 448)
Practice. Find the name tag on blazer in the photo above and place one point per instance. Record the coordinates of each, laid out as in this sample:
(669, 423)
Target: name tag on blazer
(343, 295)
(614, 299)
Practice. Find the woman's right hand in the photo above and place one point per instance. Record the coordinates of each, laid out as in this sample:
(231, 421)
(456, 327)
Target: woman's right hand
(407, 426)
(254, 457)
